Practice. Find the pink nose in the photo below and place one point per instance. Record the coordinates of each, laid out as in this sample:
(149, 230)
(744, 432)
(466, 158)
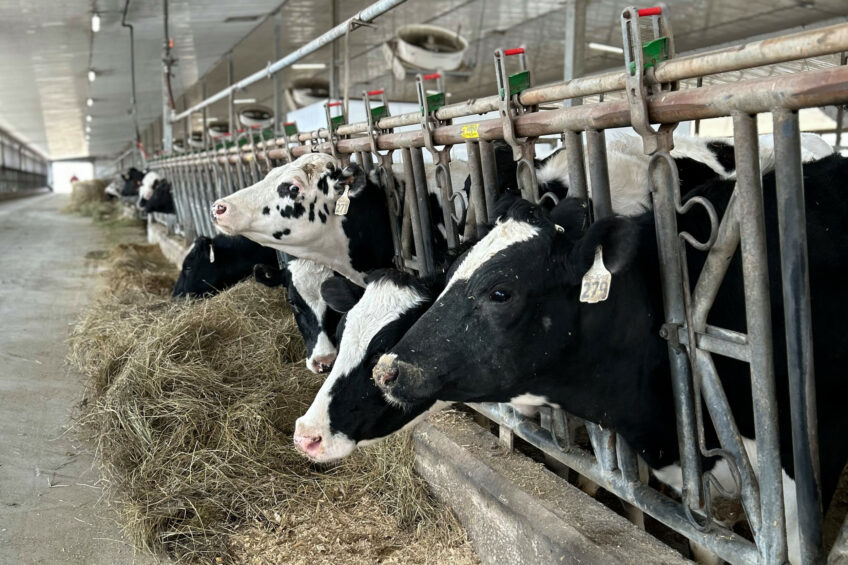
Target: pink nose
(322, 364)
(218, 209)
(308, 444)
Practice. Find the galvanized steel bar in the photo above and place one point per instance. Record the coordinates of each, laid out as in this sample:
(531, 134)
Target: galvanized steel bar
(772, 539)
(596, 147)
(726, 544)
(478, 197)
(422, 197)
(366, 15)
(490, 178)
(411, 202)
(792, 222)
(664, 196)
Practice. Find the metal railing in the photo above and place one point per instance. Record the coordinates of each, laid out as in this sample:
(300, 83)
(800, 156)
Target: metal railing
(200, 178)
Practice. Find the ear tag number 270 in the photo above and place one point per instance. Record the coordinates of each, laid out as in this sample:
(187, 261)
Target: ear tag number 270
(596, 281)
(343, 203)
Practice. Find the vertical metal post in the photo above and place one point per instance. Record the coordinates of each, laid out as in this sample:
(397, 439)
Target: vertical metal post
(575, 43)
(411, 202)
(596, 146)
(772, 542)
(279, 119)
(231, 117)
(426, 262)
(671, 276)
(840, 110)
(167, 111)
(478, 197)
(792, 222)
(334, 53)
(490, 178)
(577, 185)
(203, 127)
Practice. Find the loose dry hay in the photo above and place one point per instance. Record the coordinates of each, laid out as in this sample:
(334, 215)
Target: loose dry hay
(85, 192)
(191, 406)
(140, 267)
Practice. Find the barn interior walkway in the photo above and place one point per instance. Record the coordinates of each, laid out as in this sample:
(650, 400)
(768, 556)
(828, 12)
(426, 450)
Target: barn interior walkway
(49, 509)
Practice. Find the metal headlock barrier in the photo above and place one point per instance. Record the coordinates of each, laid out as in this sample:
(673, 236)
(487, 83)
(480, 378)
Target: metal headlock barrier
(650, 80)
(20, 167)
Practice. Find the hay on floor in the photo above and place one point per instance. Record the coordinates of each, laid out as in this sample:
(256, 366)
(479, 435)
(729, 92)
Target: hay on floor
(86, 192)
(191, 406)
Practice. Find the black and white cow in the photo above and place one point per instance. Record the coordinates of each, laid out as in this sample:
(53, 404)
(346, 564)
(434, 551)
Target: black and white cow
(315, 320)
(145, 190)
(161, 200)
(510, 325)
(215, 264)
(349, 409)
(293, 210)
(132, 180)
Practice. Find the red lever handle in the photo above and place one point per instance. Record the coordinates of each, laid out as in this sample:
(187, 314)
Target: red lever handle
(240, 130)
(333, 104)
(655, 11)
(375, 92)
(289, 124)
(517, 50)
(431, 76)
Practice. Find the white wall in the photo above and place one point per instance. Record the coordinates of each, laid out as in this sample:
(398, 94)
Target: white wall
(64, 170)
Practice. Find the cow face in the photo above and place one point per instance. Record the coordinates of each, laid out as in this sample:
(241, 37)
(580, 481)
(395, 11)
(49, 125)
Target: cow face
(292, 208)
(213, 265)
(316, 321)
(162, 199)
(509, 310)
(132, 180)
(350, 410)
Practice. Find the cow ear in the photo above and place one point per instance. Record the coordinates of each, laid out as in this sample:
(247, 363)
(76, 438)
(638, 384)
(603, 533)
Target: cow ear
(269, 275)
(340, 294)
(618, 238)
(352, 177)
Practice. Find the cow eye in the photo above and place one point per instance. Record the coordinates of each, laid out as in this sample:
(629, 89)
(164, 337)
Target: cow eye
(499, 295)
(294, 190)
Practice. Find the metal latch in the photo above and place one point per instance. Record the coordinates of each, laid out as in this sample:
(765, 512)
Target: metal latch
(510, 107)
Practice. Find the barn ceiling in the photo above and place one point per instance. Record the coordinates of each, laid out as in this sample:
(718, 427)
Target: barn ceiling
(47, 48)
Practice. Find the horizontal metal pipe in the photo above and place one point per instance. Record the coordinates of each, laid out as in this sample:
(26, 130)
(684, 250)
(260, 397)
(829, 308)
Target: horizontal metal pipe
(808, 43)
(800, 90)
(368, 14)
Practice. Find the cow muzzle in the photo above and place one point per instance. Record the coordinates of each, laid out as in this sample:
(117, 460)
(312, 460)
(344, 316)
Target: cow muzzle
(322, 364)
(308, 440)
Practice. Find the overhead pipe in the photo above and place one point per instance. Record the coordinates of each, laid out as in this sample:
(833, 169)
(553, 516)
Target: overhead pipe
(366, 15)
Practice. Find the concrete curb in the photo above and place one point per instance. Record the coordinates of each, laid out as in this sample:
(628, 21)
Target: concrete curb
(515, 510)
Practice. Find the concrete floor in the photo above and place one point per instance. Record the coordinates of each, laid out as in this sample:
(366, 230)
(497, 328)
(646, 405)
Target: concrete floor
(50, 510)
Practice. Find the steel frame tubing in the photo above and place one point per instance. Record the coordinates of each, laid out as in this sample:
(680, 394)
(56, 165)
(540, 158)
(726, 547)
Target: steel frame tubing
(792, 224)
(772, 542)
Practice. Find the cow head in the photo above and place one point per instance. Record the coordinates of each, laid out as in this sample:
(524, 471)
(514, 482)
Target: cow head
(132, 180)
(510, 312)
(349, 409)
(162, 200)
(214, 264)
(292, 208)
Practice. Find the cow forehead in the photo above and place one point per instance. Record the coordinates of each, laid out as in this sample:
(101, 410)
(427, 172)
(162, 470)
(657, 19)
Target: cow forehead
(304, 168)
(505, 234)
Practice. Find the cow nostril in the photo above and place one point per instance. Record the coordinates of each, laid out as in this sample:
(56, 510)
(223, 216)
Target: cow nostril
(220, 209)
(389, 376)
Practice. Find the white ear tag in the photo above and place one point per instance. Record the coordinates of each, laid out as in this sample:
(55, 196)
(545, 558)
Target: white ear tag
(343, 203)
(211, 254)
(596, 281)
(559, 228)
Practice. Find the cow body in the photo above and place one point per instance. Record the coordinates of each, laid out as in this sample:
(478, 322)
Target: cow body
(510, 323)
(293, 210)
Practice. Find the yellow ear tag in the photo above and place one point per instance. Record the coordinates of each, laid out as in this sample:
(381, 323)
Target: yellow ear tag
(596, 281)
(343, 203)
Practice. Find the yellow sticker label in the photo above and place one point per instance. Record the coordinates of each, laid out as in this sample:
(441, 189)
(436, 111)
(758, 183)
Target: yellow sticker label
(469, 131)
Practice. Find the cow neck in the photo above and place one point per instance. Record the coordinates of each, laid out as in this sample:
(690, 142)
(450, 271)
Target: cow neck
(367, 231)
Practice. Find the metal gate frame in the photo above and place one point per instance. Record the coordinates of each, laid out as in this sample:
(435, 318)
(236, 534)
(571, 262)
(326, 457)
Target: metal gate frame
(199, 178)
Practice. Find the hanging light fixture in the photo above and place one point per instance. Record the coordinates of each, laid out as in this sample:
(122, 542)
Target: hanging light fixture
(95, 22)
(91, 75)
